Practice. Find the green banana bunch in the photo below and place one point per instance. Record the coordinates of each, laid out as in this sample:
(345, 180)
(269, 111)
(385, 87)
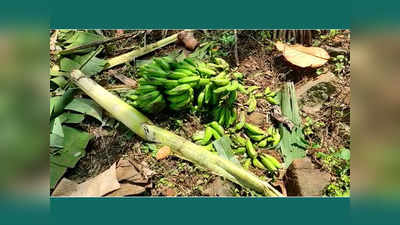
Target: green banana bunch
(189, 83)
(213, 131)
(269, 138)
(148, 99)
(271, 163)
(225, 115)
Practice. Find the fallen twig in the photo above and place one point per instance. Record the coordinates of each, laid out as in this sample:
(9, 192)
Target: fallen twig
(126, 80)
(96, 43)
(129, 56)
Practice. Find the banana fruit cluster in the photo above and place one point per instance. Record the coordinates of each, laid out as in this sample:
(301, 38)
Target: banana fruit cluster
(189, 83)
(264, 138)
(213, 131)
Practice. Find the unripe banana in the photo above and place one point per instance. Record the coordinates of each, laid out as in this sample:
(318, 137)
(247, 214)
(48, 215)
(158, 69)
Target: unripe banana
(206, 71)
(220, 82)
(274, 161)
(179, 89)
(163, 64)
(215, 134)
(190, 61)
(257, 137)
(220, 89)
(198, 135)
(207, 93)
(178, 98)
(267, 163)
(132, 97)
(250, 149)
(232, 97)
(263, 143)
(177, 75)
(258, 164)
(272, 100)
(200, 99)
(252, 102)
(239, 151)
(218, 128)
(233, 86)
(233, 118)
(247, 164)
(238, 140)
(242, 89)
(148, 96)
(191, 79)
(254, 129)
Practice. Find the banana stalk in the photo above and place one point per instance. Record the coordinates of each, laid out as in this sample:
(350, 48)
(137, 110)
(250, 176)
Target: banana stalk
(185, 149)
(129, 56)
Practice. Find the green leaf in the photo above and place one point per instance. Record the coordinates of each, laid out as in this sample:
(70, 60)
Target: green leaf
(58, 103)
(293, 145)
(74, 118)
(56, 141)
(93, 66)
(56, 127)
(75, 142)
(223, 147)
(67, 64)
(86, 106)
(56, 172)
(344, 154)
(65, 34)
(81, 38)
(69, 117)
(60, 81)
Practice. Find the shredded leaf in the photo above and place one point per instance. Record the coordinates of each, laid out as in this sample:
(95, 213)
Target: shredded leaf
(293, 145)
(223, 147)
(75, 142)
(86, 106)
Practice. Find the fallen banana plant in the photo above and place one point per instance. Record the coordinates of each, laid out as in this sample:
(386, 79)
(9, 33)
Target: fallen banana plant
(183, 148)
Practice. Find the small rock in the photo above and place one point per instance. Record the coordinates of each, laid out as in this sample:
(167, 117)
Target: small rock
(256, 118)
(314, 93)
(187, 38)
(302, 179)
(168, 192)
